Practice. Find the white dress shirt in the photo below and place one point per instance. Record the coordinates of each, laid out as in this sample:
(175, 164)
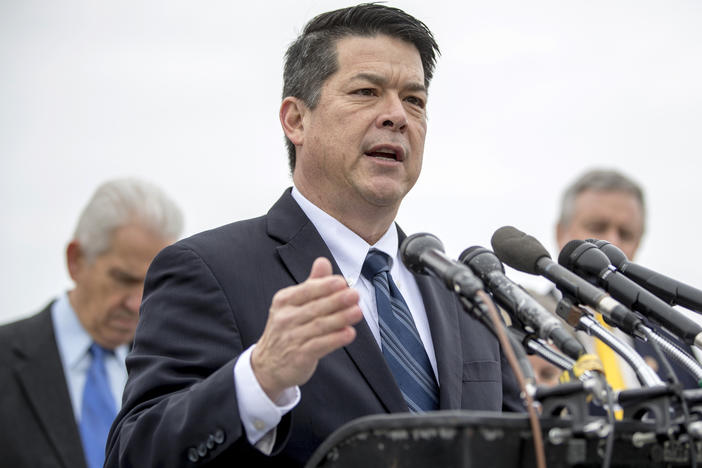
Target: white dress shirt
(258, 413)
(74, 350)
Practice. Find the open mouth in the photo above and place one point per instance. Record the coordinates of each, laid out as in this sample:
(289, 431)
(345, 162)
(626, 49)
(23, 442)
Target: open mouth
(386, 153)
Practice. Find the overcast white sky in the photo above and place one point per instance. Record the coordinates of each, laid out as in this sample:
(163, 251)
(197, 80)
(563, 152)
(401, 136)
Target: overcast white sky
(526, 96)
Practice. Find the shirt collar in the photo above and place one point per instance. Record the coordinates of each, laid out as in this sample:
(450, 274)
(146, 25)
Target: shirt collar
(72, 339)
(348, 248)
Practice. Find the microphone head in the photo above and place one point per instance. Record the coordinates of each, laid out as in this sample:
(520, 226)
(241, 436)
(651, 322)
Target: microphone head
(580, 255)
(517, 249)
(481, 260)
(414, 246)
(614, 253)
(597, 242)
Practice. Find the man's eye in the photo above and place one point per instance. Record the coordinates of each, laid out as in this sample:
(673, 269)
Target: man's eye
(626, 235)
(124, 278)
(415, 101)
(365, 92)
(598, 228)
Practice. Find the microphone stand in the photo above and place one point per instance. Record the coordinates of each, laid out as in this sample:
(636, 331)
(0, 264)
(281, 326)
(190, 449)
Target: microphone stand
(588, 324)
(536, 345)
(675, 353)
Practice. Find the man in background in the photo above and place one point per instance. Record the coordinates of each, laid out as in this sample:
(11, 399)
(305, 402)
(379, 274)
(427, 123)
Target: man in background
(606, 205)
(62, 370)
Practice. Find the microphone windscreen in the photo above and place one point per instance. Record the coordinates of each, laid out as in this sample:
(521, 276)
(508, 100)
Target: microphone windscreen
(414, 246)
(517, 249)
(614, 253)
(564, 257)
(481, 260)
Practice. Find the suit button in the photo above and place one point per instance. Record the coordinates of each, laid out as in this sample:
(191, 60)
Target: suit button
(201, 450)
(210, 442)
(219, 436)
(192, 455)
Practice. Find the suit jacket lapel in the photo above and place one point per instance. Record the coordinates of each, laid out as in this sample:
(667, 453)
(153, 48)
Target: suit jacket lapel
(40, 372)
(301, 244)
(442, 314)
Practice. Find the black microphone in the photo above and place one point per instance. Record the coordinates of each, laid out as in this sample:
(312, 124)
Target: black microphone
(668, 289)
(423, 253)
(524, 253)
(518, 302)
(588, 261)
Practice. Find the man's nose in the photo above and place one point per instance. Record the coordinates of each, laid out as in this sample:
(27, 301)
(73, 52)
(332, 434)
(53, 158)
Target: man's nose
(393, 114)
(133, 301)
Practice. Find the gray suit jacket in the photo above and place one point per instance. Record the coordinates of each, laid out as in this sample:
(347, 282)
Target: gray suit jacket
(206, 299)
(37, 425)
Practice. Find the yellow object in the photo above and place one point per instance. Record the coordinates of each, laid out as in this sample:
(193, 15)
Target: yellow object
(586, 362)
(612, 372)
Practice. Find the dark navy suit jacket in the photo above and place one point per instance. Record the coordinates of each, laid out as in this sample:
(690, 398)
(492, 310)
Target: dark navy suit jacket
(206, 299)
(37, 425)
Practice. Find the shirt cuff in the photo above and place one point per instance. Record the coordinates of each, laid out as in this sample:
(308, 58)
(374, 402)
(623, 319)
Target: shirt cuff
(259, 414)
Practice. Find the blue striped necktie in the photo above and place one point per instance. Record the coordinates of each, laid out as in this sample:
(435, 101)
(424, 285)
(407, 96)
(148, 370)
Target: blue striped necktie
(402, 348)
(97, 410)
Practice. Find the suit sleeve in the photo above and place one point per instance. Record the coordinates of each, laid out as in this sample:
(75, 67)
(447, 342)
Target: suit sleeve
(179, 406)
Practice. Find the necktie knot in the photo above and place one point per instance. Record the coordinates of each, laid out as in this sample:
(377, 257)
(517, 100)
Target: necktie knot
(98, 352)
(376, 262)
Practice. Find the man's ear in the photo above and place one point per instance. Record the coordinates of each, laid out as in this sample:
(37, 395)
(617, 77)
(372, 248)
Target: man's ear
(292, 113)
(75, 259)
(560, 235)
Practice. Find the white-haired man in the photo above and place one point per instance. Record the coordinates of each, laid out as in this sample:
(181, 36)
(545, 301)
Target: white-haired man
(62, 370)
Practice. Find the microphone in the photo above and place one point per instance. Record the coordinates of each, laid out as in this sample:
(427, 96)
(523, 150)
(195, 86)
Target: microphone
(524, 253)
(518, 302)
(668, 289)
(423, 253)
(588, 261)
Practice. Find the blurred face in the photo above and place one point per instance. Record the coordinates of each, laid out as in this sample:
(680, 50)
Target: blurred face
(362, 145)
(108, 289)
(614, 216)
(545, 373)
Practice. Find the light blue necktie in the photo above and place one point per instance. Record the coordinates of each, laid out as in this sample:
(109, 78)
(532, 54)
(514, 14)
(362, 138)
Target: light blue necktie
(98, 409)
(402, 347)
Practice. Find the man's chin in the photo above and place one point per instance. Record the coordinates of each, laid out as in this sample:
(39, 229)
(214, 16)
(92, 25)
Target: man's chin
(121, 333)
(385, 196)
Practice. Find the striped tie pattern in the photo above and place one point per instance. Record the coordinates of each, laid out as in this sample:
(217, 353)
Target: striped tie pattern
(402, 348)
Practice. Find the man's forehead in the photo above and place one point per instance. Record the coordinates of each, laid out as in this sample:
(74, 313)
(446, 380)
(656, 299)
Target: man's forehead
(356, 46)
(371, 57)
(620, 199)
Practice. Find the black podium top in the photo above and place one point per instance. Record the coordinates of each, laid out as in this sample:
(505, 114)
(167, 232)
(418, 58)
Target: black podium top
(453, 439)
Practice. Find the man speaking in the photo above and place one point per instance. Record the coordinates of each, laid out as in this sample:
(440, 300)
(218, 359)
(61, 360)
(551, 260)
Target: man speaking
(258, 339)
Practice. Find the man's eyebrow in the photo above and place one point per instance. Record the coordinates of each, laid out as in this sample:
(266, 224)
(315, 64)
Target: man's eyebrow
(380, 80)
(122, 275)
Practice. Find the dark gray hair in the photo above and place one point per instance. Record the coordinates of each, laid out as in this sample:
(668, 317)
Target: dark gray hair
(599, 180)
(312, 58)
(119, 202)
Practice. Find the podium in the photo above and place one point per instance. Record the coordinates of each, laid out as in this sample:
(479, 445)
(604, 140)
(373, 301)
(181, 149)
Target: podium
(467, 439)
